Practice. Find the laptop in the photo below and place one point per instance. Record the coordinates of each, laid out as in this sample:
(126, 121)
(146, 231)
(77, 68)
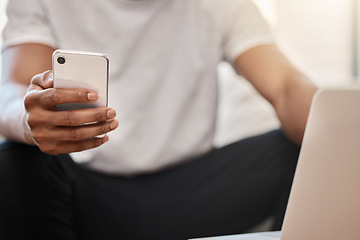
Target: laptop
(324, 203)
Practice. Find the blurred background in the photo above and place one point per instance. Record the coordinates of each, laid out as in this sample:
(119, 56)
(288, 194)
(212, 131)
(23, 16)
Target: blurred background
(2, 23)
(319, 36)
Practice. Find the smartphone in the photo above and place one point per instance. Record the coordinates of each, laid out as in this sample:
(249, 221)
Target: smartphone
(81, 70)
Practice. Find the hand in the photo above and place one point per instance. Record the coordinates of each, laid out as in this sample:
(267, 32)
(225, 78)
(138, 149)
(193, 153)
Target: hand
(57, 132)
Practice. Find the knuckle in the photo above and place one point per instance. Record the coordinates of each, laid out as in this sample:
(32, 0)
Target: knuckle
(53, 96)
(39, 136)
(102, 129)
(75, 134)
(37, 119)
(33, 121)
(29, 100)
(68, 118)
(35, 79)
(81, 96)
(40, 80)
(97, 116)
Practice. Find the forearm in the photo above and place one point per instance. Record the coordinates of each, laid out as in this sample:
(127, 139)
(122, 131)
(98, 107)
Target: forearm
(19, 64)
(13, 124)
(294, 107)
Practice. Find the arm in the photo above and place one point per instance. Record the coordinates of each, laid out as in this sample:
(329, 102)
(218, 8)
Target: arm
(285, 87)
(38, 122)
(19, 65)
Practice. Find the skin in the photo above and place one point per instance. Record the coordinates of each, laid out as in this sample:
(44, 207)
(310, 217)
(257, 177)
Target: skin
(55, 132)
(288, 90)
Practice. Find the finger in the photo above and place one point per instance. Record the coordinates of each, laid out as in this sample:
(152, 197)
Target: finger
(83, 144)
(38, 83)
(53, 96)
(70, 118)
(42, 81)
(74, 133)
(90, 130)
(73, 146)
(80, 117)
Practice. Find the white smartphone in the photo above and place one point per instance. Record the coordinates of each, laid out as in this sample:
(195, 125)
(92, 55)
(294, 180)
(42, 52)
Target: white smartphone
(81, 70)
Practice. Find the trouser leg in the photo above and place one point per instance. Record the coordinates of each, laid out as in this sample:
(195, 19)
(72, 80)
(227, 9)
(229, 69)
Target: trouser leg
(227, 191)
(18, 190)
(35, 201)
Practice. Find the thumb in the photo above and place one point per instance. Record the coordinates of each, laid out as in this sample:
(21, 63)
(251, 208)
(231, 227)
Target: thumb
(42, 81)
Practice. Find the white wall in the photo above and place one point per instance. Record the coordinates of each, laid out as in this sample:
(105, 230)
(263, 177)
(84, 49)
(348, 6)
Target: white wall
(2, 19)
(317, 35)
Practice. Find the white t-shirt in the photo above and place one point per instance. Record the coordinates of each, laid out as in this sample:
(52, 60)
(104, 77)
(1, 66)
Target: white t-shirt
(163, 68)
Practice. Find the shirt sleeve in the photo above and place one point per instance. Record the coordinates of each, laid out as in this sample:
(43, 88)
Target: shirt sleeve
(27, 23)
(243, 28)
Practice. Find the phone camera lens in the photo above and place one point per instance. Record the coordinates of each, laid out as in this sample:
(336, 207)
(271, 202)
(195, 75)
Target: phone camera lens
(61, 60)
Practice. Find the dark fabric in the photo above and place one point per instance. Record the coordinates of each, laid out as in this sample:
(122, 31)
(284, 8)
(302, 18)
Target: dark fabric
(226, 191)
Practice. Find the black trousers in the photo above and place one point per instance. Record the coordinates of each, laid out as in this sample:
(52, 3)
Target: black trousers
(224, 192)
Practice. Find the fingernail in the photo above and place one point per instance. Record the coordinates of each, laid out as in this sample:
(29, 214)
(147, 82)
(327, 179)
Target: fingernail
(92, 96)
(113, 124)
(110, 114)
(51, 76)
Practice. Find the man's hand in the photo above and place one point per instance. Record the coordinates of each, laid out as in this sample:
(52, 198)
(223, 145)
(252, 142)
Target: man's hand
(58, 132)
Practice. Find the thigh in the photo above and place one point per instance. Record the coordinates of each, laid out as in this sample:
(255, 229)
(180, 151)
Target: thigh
(34, 201)
(231, 189)
(224, 192)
